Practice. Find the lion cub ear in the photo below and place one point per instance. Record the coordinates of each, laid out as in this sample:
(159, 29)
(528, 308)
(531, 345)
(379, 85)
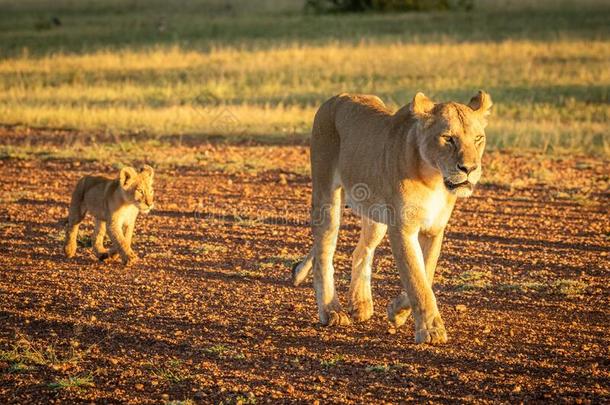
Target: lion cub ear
(147, 170)
(421, 106)
(126, 176)
(481, 103)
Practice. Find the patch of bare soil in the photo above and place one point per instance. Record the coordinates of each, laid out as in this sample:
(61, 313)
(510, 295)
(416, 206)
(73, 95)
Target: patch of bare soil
(209, 314)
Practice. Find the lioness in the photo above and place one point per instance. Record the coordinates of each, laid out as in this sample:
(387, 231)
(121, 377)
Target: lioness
(115, 202)
(400, 172)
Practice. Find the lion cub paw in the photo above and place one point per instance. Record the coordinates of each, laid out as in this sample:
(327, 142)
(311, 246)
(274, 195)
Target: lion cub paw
(70, 250)
(433, 334)
(361, 311)
(130, 259)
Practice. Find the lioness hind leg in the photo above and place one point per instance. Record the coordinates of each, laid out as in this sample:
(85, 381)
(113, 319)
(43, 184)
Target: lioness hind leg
(360, 296)
(326, 220)
(301, 270)
(327, 198)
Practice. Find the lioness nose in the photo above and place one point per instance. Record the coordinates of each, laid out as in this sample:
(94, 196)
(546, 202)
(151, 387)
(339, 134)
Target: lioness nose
(466, 168)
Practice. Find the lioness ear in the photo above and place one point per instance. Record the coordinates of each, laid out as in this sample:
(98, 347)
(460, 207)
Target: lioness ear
(481, 103)
(421, 106)
(127, 176)
(147, 170)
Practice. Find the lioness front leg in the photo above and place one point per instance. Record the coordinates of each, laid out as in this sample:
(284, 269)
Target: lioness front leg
(400, 308)
(120, 243)
(360, 296)
(326, 217)
(409, 258)
(430, 243)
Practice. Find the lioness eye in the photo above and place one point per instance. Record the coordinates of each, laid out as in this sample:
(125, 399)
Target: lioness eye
(449, 139)
(479, 139)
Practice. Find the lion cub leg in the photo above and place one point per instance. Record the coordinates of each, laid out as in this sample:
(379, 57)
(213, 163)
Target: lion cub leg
(120, 242)
(98, 240)
(75, 217)
(360, 296)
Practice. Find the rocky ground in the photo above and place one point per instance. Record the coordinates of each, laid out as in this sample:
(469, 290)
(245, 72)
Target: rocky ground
(209, 314)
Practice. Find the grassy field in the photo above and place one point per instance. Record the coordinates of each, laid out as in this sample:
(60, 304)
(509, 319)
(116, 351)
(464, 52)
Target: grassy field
(154, 73)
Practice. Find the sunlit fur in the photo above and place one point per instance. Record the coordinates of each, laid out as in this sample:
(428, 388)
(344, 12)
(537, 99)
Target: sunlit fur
(401, 172)
(115, 204)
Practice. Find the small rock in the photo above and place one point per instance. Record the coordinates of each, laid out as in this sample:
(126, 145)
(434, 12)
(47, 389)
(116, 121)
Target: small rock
(392, 331)
(517, 389)
(165, 396)
(461, 308)
(139, 387)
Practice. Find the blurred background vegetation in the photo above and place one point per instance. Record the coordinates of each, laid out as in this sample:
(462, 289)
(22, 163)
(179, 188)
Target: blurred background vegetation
(156, 71)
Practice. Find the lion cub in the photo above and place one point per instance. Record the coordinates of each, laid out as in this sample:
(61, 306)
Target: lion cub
(114, 203)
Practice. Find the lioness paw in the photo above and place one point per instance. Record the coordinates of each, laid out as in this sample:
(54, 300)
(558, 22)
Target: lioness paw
(399, 310)
(361, 311)
(398, 317)
(334, 316)
(433, 334)
(338, 318)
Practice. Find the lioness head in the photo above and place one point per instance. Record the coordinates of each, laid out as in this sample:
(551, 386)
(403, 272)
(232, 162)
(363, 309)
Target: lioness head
(451, 139)
(137, 187)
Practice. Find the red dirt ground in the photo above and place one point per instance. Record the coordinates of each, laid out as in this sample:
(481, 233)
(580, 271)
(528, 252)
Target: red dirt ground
(209, 314)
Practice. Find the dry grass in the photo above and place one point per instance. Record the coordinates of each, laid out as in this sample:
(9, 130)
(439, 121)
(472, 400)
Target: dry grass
(230, 73)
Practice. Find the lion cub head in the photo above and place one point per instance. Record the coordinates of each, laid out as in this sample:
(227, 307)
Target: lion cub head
(451, 139)
(137, 187)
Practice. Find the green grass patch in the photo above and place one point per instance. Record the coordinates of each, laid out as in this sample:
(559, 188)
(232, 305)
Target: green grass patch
(333, 361)
(75, 382)
(378, 368)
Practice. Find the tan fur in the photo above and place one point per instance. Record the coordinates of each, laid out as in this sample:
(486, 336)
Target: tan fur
(401, 172)
(115, 204)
